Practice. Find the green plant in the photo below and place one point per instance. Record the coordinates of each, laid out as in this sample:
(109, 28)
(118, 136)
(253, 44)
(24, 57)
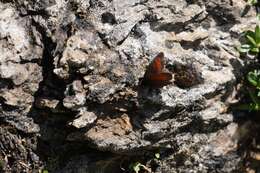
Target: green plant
(157, 155)
(252, 44)
(44, 171)
(254, 106)
(258, 16)
(254, 79)
(137, 166)
(252, 2)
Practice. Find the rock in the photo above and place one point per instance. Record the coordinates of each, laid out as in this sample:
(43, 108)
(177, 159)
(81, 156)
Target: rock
(21, 50)
(179, 105)
(223, 142)
(76, 96)
(84, 119)
(101, 90)
(16, 72)
(78, 53)
(19, 149)
(70, 74)
(47, 103)
(184, 16)
(187, 76)
(198, 34)
(83, 163)
(24, 124)
(109, 132)
(23, 40)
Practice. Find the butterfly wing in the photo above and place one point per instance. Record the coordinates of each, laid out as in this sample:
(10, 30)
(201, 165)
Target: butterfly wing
(156, 65)
(159, 80)
(154, 74)
(161, 77)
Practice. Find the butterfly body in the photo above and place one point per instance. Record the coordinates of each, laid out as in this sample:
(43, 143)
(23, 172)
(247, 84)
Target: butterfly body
(155, 75)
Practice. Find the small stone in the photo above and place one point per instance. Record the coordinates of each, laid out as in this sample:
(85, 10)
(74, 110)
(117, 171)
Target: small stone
(84, 119)
(198, 34)
(16, 72)
(48, 103)
(101, 90)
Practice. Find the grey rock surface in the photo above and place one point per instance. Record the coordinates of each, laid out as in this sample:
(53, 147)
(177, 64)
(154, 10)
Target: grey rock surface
(20, 75)
(70, 74)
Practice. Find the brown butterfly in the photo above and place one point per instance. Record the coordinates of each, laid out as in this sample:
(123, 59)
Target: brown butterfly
(155, 75)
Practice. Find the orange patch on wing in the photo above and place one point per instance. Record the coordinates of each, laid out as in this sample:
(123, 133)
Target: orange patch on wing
(155, 75)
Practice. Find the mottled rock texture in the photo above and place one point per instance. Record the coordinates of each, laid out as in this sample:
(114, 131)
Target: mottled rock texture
(70, 94)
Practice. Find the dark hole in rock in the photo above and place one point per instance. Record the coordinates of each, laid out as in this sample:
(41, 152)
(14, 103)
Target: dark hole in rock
(70, 91)
(104, 39)
(6, 83)
(137, 32)
(190, 1)
(195, 45)
(11, 160)
(180, 159)
(186, 76)
(108, 18)
(245, 10)
(169, 27)
(222, 16)
(5, 106)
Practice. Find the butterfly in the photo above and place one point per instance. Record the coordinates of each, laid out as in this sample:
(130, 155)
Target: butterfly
(155, 75)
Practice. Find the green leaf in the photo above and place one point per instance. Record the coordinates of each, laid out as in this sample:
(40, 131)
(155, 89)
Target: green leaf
(252, 78)
(135, 167)
(248, 107)
(257, 35)
(258, 94)
(252, 2)
(157, 155)
(254, 107)
(254, 97)
(258, 16)
(250, 33)
(244, 48)
(254, 50)
(251, 40)
(245, 107)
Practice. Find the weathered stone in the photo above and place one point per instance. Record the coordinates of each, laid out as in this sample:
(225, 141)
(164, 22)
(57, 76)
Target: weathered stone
(76, 96)
(101, 90)
(46, 103)
(198, 34)
(21, 50)
(84, 119)
(80, 63)
(17, 148)
(17, 37)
